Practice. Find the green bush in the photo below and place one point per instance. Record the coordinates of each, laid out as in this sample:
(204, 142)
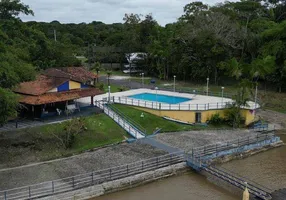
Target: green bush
(101, 86)
(216, 119)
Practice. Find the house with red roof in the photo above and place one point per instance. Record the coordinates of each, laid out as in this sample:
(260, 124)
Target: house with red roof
(56, 90)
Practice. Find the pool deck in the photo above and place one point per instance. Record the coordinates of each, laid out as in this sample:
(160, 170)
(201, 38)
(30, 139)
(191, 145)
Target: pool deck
(202, 102)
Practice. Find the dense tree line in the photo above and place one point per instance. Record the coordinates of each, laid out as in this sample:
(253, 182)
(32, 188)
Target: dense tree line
(244, 40)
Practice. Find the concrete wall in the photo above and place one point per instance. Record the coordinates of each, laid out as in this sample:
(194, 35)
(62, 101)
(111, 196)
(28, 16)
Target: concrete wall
(125, 183)
(190, 116)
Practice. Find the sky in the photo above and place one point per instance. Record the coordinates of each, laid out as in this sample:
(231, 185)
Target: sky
(107, 11)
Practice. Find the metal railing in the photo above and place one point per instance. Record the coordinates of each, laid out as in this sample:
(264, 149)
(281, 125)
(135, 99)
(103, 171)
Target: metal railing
(124, 116)
(89, 179)
(200, 152)
(136, 133)
(164, 106)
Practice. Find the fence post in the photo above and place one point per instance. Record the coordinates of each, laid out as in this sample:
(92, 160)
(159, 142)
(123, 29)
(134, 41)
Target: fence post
(197, 106)
(53, 187)
(132, 102)
(110, 173)
(142, 165)
(157, 161)
(169, 106)
(257, 137)
(92, 179)
(159, 106)
(179, 106)
(208, 106)
(145, 104)
(152, 104)
(138, 102)
(119, 98)
(29, 191)
(189, 106)
(127, 169)
(73, 182)
(217, 105)
(205, 106)
(171, 159)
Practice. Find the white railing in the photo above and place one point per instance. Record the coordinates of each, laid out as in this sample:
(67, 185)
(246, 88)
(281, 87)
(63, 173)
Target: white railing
(136, 133)
(165, 106)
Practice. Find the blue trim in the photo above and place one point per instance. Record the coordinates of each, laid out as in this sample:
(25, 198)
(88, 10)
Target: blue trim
(82, 85)
(64, 87)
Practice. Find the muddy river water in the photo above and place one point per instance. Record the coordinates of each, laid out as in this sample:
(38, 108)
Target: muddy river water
(268, 169)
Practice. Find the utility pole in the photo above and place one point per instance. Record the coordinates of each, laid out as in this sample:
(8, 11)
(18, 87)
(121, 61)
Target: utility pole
(55, 35)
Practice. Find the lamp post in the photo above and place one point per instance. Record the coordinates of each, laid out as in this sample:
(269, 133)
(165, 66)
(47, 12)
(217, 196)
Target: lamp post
(142, 74)
(109, 94)
(255, 104)
(222, 89)
(174, 83)
(208, 80)
(156, 96)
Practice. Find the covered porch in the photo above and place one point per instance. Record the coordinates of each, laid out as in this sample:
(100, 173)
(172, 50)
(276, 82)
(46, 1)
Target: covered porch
(55, 104)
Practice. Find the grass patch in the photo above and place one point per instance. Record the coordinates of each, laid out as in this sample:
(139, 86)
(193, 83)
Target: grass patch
(114, 88)
(151, 122)
(40, 144)
(273, 101)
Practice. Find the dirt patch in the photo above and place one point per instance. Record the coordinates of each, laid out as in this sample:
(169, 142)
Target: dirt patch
(191, 139)
(84, 163)
(276, 119)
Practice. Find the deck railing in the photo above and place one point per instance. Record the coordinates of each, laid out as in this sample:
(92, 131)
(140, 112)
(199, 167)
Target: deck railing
(164, 106)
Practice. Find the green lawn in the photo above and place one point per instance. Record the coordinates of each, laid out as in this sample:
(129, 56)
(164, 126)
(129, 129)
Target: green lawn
(151, 122)
(113, 88)
(40, 143)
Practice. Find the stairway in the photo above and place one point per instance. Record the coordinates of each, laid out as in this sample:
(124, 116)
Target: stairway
(123, 122)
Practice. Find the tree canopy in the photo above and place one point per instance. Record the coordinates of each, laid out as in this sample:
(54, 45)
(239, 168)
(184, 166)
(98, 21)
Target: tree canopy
(231, 40)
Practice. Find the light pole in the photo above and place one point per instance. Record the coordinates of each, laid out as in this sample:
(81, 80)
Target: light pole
(109, 94)
(222, 89)
(142, 80)
(156, 96)
(174, 83)
(208, 80)
(255, 104)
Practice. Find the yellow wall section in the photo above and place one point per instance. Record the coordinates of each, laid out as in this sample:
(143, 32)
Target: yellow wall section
(190, 116)
(74, 85)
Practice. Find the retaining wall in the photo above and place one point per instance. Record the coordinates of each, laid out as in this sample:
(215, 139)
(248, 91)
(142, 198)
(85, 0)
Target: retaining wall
(122, 184)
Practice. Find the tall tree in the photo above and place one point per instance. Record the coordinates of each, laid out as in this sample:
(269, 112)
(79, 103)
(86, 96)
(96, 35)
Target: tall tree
(10, 9)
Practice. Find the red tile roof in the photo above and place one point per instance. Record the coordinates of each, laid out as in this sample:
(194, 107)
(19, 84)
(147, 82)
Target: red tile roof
(79, 74)
(41, 85)
(59, 96)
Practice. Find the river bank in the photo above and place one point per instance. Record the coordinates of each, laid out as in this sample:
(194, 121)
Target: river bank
(109, 157)
(266, 167)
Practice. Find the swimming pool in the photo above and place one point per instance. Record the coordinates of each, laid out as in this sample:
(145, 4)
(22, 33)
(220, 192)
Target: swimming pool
(160, 98)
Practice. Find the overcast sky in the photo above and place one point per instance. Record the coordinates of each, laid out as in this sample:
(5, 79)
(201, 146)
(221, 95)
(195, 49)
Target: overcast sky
(107, 11)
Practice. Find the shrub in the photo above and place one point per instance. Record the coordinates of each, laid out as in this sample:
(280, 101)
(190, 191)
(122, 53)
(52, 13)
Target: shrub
(101, 86)
(216, 119)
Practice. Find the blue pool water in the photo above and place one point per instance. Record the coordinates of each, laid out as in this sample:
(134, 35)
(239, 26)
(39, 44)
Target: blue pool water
(160, 98)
